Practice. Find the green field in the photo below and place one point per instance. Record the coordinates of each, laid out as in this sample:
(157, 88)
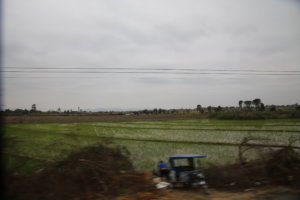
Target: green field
(147, 141)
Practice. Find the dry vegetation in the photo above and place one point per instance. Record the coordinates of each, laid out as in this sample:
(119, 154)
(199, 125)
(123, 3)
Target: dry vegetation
(93, 173)
(99, 172)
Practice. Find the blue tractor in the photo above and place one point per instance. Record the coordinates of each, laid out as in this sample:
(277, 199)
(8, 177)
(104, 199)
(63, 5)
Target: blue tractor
(185, 169)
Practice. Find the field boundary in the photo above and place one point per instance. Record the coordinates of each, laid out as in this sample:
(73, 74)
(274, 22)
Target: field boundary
(200, 129)
(32, 119)
(188, 142)
(199, 124)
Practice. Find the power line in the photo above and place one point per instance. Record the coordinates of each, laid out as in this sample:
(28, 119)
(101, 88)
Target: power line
(187, 73)
(151, 69)
(105, 77)
(153, 72)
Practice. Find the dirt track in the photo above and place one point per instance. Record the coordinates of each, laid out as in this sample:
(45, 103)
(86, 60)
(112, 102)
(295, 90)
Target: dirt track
(262, 193)
(267, 193)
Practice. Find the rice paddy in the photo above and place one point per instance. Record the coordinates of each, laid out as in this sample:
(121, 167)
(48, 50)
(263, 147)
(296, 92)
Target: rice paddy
(147, 141)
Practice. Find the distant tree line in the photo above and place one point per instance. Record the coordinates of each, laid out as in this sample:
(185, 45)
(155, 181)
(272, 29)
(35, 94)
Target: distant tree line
(247, 105)
(157, 111)
(22, 111)
(19, 111)
(34, 110)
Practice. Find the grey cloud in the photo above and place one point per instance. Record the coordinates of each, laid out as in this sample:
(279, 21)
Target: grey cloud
(169, 34)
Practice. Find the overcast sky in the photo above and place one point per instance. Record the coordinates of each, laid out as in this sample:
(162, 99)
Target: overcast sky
(149, 53)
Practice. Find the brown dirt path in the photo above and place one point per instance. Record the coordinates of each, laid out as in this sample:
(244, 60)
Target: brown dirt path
(266, 193)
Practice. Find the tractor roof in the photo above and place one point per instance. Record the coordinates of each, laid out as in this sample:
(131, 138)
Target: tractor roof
(183, 156)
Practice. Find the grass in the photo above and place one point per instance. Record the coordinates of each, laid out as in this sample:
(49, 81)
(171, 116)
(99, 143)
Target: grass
(147, 141)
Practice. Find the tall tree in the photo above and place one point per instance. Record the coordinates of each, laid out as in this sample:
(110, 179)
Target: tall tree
(256, 103)
(248, 104)
(218, 109)
(199, 108)
(33, 107)
(241, 104)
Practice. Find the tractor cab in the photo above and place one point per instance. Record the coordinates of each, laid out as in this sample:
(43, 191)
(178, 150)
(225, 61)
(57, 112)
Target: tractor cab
(185, 162)
(186, 169)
